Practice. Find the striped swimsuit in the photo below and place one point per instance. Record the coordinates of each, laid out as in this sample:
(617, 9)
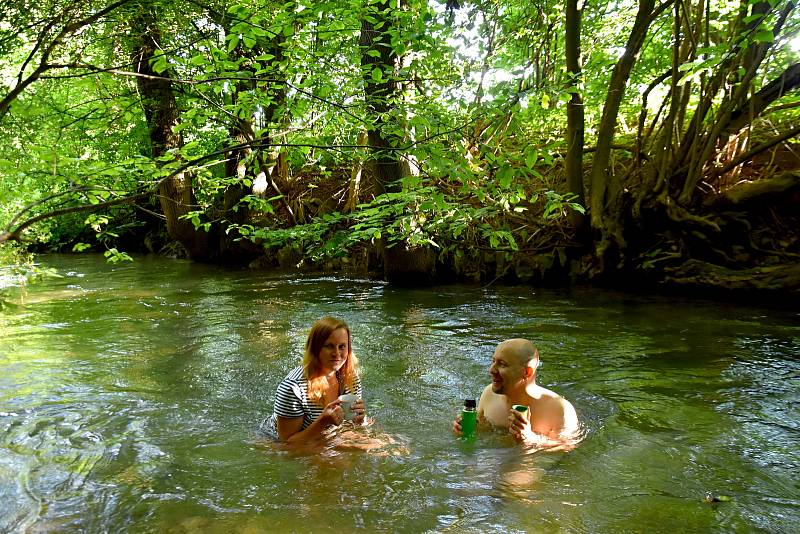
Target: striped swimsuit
(291, 400)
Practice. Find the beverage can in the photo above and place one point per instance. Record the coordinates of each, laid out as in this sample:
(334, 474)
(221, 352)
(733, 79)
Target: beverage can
(523, 410)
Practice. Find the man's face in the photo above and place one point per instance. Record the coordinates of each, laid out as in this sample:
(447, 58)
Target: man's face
(506, 371)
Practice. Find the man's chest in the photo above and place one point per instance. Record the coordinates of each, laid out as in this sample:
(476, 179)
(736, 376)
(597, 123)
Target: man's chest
(497, 414)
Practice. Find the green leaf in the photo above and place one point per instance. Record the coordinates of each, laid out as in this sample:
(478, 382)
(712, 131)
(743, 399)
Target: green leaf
(764, 36)
(505, 176)
(160, 64)
(377, 75)
(114, 256)
(233, 42)
(531, 157)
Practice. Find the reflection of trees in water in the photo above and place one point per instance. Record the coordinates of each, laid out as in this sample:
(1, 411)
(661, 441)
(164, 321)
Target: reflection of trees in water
(152, 377)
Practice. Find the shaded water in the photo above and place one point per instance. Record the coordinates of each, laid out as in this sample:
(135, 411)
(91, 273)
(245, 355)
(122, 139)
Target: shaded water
(129, 397)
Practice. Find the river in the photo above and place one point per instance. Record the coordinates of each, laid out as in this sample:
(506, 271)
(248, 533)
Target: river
(130, 395)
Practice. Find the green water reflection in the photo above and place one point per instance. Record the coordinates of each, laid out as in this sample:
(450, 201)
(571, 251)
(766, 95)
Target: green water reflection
(129, 398)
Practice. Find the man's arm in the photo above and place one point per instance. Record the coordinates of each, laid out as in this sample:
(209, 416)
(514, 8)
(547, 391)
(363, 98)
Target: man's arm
(556, 426)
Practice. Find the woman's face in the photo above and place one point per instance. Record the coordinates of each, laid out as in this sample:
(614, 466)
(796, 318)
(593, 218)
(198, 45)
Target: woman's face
(334, 351)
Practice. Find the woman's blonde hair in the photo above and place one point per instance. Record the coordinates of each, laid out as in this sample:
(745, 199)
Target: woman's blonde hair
(320, 332)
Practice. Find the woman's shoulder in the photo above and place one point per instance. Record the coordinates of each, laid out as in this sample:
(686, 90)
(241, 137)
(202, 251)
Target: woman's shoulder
(295, 375)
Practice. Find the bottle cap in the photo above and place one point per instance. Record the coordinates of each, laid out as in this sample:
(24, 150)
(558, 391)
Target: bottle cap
(469, 403)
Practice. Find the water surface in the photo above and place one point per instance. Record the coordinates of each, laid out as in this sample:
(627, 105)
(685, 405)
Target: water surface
(130, 394)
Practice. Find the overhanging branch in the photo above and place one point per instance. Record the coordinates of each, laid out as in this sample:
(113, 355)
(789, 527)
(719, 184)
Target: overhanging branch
(16, 233)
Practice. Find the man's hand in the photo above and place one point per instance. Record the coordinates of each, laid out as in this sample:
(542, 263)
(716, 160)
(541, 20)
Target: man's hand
(457, 427)
(520, 428)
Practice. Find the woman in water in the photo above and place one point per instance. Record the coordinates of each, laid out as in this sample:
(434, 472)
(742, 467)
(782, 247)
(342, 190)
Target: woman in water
(307, 401)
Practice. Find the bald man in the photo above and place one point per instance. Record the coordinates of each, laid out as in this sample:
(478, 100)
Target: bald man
(553, 421)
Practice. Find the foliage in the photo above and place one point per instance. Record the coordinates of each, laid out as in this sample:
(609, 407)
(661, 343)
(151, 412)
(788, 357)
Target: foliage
(478, 115)
(18, 269)
(422, 216)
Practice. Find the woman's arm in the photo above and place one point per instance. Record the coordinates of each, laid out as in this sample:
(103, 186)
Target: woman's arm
(289, 428)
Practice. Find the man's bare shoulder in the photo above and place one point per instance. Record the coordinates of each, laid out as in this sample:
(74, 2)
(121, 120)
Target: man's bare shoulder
(488, 398)
(553, 409)
(547, 397)
(493, 408)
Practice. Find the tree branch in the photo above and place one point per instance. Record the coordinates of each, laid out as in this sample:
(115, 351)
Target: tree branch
(756, 150)
(755, 106)
(5, 103)
(40, 202)
(14, 235)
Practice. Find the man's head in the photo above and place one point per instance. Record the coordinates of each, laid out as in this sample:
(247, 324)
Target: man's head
(513, 365)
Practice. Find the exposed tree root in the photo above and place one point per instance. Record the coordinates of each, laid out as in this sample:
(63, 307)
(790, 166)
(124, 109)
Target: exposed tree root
(700, 274)
(751, 191)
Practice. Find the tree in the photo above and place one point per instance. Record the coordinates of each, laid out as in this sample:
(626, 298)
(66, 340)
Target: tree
(241, 126)
(49, 36)
(606, 187)
(575, 118)
(380, 64)
(161, 112)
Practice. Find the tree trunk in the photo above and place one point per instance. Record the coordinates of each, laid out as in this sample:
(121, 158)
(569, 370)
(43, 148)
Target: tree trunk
(379, 63)
(354, 187)
(575, 118)
(606, 189)
(162, 115)
(755, 106)
(744, 71)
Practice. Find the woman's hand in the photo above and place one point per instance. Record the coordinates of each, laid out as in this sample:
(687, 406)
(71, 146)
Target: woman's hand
(333, 414)
(359, 411)
(457, 427)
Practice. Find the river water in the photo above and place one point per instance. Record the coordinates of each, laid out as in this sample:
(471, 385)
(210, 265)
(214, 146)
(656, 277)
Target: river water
(130, 395)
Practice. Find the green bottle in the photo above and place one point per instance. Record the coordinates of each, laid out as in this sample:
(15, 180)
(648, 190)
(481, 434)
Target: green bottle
(469, 419)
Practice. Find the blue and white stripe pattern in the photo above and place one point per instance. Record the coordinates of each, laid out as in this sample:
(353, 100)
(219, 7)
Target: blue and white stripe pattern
(291, 401)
